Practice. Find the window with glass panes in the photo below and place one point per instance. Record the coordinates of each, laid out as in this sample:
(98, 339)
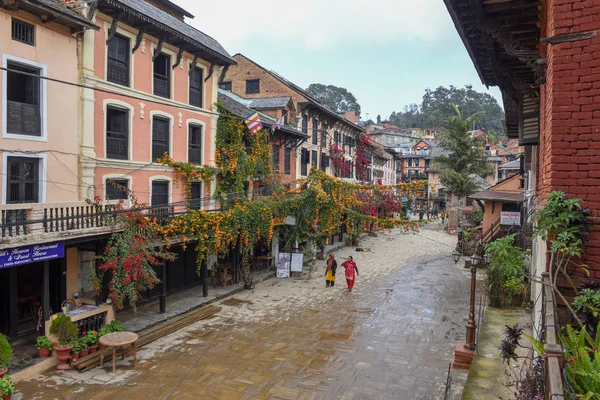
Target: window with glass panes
(162, 75)
(196, 195)
(305, 123)
(195, 144)
(22, 180)
(196, 84)
(160, 193)
(275, 157)
(117, 61)
(253, 86)
(160, 137)
(315, 131)
(117, 133)
(324, 135)
(23, 100)
(116, 189)
(287, 161)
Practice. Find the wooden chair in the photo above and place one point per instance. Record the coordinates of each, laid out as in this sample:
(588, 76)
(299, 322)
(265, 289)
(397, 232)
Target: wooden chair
(223, 276)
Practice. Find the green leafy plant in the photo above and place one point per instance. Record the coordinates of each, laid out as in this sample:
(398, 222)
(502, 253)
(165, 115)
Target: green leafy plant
(477, 216)
(7, 386)
(92, 338)
(64, 329)
(506, 276)
(560, 223)
(113, 326)
(43, 342)
(5, 352)
(78, 346)
(582, 354)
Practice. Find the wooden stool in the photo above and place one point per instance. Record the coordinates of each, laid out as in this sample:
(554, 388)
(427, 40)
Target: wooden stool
(118, 339)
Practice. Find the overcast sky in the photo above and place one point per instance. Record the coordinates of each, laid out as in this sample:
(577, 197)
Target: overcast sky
(386, 52)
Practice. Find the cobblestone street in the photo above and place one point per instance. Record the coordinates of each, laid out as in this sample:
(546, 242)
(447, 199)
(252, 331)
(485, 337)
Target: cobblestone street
(392, 337)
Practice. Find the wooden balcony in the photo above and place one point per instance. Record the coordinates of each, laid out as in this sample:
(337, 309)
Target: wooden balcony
(24, 224)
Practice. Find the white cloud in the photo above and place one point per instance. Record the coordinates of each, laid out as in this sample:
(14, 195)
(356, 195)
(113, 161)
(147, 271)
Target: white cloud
(319, 24)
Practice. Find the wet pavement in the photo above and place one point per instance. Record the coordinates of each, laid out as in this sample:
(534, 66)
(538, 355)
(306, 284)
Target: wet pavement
(392, 337)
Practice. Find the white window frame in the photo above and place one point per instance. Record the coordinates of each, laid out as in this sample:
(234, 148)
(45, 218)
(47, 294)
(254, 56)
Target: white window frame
(159, 113)
(173, 56)
(129, 178)
(42, 176)
(131, 108)
(204, 69)
(189, 122)
(43, 99)
(132, 38)
(160, 178)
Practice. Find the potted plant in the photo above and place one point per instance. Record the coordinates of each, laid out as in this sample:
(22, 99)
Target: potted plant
(7, 387)
(75, 351)
(44, 346)
(113, 326)
(65, 332)
(5, 355)
(92, 341)
(84, 345)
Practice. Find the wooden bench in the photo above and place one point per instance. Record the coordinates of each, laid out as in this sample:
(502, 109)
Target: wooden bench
(118, 339)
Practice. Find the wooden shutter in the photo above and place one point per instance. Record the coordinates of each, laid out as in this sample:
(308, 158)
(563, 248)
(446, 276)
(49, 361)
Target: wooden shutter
(195, 144)
(23, 180)
(196, 84)
(160, 193)
(160, 137)
(196, 193)
(529, 120)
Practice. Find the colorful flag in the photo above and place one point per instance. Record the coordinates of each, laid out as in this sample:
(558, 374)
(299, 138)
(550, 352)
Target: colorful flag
(253, 123)
(279, 122)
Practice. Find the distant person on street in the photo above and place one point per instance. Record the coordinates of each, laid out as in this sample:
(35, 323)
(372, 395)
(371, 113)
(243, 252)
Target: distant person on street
(350, 267)
(428, 213)
(331, 268)
(421, 214)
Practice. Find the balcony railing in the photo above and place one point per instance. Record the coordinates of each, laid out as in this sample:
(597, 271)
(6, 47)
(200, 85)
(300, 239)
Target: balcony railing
(162, 86)
(53, 221)
(118, 72)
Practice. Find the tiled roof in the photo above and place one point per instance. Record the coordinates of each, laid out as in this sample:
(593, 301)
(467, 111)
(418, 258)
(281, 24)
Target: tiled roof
(169, 23)
(61, 10)
(241, 108)
(516, 164)
(270, 102)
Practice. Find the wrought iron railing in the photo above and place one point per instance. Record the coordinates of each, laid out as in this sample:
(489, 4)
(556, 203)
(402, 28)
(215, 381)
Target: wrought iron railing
(162, 86)
(117, 73)
(117, 146)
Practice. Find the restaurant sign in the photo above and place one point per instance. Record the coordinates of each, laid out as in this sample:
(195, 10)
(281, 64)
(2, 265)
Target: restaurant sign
(31, 254)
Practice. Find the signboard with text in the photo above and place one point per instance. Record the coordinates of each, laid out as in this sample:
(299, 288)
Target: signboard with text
(283, 265)
(31, 254)
(297, 262)
(510, 218)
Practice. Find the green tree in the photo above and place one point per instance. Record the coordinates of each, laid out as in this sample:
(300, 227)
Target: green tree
(436, 108)
(465, 160)
(338, 99)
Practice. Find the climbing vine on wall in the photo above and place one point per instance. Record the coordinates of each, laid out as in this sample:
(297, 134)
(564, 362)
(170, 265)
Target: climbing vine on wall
(189, 173)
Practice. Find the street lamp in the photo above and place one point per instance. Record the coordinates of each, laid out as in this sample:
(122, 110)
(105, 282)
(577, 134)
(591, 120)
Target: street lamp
(470, 340)
(455, 256)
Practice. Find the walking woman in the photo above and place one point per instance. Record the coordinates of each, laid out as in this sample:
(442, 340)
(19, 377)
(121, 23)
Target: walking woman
(331, 268)
(350, 267)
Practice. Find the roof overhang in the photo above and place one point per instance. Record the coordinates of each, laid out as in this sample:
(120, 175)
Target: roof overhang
(59, 14)
(499, 196)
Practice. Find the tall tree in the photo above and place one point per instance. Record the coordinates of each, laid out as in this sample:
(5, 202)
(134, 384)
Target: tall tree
(436, 108)
(338, 99)
(465, 160)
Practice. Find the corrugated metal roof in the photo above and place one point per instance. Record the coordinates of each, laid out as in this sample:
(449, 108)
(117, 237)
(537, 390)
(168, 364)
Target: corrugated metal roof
(270, 102)
(495, 195)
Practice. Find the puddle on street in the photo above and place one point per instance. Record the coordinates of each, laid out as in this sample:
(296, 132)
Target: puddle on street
(233, 302)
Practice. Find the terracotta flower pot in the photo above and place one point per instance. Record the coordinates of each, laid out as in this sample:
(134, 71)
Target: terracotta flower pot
(3, 371)
(93, 349)
(6, 396)
(43, 352)
(84, 353)
(63, 354)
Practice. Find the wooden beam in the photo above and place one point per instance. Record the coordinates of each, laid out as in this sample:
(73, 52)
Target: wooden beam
(569, 37)
(223, 73)
(193, 64)
(138, 39)
(211, 69)
(179, 55)
(158, 49)
(113, 26)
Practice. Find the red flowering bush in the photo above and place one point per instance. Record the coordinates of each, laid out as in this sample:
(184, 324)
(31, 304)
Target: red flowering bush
(336, 155)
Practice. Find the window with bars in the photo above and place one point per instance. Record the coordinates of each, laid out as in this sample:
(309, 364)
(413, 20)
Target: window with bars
(162, 75)
(315, 131)
(118, 60)
(23, 180)
(160, 137)
(287, 161)
(195, 144)
(116, 189)
(252, 86)
(304, 161)
(226, 86)
(196, 85)
(23, 32)
(275, 157)
(304, 123)
(117, 133)
(160, 193)
(196, 195)
(23, 105)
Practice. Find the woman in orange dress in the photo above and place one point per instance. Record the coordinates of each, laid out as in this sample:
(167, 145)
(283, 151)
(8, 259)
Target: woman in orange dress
(351, 268)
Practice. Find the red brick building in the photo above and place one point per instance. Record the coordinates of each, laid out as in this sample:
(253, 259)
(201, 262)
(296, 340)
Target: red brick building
(545, 58)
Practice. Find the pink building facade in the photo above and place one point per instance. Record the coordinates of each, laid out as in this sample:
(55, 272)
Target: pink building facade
(152, 97)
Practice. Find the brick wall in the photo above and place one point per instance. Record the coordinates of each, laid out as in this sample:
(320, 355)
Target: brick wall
(569, 156)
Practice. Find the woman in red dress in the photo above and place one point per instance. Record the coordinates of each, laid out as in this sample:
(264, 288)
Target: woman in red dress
(350, 267)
